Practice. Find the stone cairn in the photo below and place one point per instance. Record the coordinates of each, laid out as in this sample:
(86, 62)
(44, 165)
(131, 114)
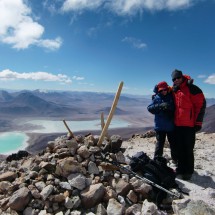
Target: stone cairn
(71, 177)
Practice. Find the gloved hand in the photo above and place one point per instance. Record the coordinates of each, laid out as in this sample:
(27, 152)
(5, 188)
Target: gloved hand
(164, 106)
(197, 128)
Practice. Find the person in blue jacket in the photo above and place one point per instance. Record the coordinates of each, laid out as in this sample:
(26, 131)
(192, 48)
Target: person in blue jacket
(162, 107)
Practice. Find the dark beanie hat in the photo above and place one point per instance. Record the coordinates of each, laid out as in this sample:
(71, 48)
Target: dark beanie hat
(176, 74)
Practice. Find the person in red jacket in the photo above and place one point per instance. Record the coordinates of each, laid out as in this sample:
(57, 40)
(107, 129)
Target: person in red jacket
(190, 107)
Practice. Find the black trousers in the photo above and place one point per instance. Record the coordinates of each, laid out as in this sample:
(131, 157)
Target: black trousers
(161, 137)
(185, 142)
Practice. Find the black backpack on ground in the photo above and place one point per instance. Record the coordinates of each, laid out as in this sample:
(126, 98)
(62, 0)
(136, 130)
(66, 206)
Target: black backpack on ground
(138, 161)
(157, 172)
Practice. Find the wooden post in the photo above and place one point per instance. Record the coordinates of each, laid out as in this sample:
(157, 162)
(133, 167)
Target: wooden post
(104, 130)
(103, 123)
(70, 132)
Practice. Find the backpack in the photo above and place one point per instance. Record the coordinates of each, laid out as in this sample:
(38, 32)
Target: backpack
(155, 171)
(139, 160)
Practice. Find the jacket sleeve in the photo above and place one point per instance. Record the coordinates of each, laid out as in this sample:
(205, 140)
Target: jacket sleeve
(171, 103)
(154, 107)
(199, 104)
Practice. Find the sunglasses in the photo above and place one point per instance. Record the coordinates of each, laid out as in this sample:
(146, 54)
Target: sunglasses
(162, 90)
(176, 78)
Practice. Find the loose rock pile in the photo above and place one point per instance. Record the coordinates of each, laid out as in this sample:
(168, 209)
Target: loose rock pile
(70, 177)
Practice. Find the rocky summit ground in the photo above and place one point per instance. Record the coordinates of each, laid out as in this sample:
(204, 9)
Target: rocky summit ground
(72, 177)
(202, 184)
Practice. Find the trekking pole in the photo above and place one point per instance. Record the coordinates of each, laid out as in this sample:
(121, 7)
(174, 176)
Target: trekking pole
(178, 189)
(178, 195)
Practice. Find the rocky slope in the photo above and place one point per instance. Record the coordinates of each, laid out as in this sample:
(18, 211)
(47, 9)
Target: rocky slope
(72, 177)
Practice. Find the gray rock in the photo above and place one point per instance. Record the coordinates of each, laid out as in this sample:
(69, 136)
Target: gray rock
(77, 180)
(83, 151)
(72, 145)
(4, 186)
(33, 174)
(134, 210)
(29, 211)
(37, 204)
(114, 208)
(132, 196)
(92, 195)
(75, 213)
(8, 176)
(92, 168)
(58, 198)
(67, 166)
(46, 191)
(59, 213)
(148, 207)
(35, 193)
(40, 185)
(100, 210)
(20, 199)
(65, 185)
(94, 149)
(76, 201)
(192, 207)
(68, 203)
(120, 157)
(49, 167)
(122, 187)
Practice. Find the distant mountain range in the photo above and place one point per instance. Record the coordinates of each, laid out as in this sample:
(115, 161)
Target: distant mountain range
(209, 120)
(58, 104)
(81, 106)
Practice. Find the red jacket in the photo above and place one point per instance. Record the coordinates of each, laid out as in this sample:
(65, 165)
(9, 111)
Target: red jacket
(190, 104)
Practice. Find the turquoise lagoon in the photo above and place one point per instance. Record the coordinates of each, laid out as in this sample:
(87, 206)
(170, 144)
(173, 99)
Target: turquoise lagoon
(11, 142)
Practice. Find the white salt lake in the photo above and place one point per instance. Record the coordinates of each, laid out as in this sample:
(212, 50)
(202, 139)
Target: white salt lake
(11, 142)
(58, 126)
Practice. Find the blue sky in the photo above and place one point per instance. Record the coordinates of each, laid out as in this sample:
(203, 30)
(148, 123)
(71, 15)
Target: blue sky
(92, 45)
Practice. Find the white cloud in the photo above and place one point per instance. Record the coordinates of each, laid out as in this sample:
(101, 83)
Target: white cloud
(78, 78)
(175, 4)
(7, 75)
(50, 44)
(78, 5)
(18, 29)
(210, 79)
(136, 43)
(126, 7)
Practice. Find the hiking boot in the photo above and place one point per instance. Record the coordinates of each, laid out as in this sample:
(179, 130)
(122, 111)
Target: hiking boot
(186, 177)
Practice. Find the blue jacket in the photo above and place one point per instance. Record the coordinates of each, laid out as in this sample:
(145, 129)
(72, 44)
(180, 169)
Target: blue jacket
(164, 118)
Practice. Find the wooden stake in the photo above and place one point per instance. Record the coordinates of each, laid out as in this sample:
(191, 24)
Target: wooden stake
(104, 130)
(70, 132)
(103, 123)
(102, 120)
